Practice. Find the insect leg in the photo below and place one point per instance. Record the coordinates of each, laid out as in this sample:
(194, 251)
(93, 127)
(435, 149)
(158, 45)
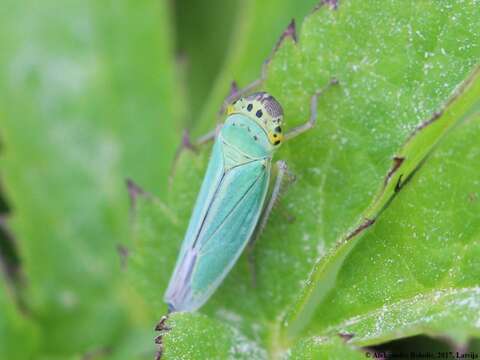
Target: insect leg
(236, 93)
(313, 113)
(276, 192)
(187, 144)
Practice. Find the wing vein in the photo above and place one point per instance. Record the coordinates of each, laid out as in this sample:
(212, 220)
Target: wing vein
(208, 209)
(236, 205)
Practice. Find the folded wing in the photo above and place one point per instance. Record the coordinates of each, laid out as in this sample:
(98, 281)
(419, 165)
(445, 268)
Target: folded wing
(223, 221)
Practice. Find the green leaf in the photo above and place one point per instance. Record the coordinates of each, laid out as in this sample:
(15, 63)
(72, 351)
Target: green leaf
(396, 65)
(206, 339)
(151, 219)
(18, 337)
(324, 348)
(90, 95)
(462, 105)
(88, 98)
(415, 271)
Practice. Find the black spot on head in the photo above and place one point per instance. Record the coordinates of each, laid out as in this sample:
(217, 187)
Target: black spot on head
(276, 142)
(270, 105)
(259, 113)
(275, 135)
(249, 107)
(278, 129)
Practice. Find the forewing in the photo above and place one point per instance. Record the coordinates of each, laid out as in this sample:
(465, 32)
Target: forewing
(227, 238)
(226, 212)
(178, 288)
(209, 188)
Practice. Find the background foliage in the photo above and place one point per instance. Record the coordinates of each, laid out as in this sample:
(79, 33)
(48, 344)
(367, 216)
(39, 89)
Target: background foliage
(93, 93)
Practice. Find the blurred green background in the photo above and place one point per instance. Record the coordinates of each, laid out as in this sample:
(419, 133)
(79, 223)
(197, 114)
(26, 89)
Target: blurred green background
(93, 93)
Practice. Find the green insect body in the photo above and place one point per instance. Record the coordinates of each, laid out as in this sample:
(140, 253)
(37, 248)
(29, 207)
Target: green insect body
(231, 201)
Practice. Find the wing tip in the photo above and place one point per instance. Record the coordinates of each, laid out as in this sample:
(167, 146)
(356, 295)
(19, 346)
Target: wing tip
(171, 308)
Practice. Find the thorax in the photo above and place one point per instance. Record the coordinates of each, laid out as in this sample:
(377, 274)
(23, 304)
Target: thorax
(245, 137)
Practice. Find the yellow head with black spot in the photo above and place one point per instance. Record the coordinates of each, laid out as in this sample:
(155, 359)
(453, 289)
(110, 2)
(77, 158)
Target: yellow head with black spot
(264, 109)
